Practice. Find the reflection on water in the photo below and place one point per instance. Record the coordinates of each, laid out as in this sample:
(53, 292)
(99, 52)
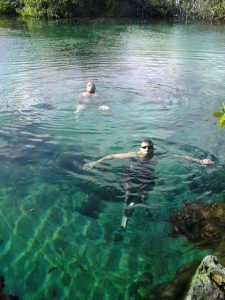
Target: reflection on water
(59, 221)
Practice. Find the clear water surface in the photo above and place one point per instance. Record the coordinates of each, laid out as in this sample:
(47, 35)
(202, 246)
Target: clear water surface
(58, 221)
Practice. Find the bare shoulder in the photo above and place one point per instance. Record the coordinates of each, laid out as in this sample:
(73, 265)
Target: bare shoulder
(86, 94)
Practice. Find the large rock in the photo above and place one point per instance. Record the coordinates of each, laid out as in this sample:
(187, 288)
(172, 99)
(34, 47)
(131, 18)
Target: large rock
(209, 281)
(176, 289)
(3, 295)
(201, 224)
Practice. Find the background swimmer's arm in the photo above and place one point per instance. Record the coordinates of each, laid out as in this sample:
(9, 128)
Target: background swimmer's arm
(204, 162)
(108, 157)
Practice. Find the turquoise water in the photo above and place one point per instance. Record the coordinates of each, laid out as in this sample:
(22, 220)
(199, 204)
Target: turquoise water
(58, 221)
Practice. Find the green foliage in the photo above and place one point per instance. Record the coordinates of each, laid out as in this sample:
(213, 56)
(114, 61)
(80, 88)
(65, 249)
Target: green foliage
(219, 10)
(8, 7)
(221, 115)
(203, 9)
(47, 8)
(193, 9)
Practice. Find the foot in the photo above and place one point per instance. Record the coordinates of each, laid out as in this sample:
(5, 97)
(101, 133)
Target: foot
(124, 222)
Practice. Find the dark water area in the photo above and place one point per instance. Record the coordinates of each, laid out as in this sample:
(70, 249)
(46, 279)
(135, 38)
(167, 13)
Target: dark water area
(58, 222)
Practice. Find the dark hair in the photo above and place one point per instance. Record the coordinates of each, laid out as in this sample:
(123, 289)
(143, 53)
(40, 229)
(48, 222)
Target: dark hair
(147, 141)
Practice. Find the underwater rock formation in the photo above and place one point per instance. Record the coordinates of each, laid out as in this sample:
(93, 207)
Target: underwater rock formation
(4, 296)
(140, 289)
(89, 208)
(201, 224)
(209, 281)
(176, 289)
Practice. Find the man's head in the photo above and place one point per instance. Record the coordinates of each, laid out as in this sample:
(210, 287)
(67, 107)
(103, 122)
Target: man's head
(146, 147)
(90, 87)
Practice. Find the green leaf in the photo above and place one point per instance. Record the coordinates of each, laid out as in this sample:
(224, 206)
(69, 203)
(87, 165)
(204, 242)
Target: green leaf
(217, 114)
(221, 124)
(221, 121)
(222, 118)
(223, 108)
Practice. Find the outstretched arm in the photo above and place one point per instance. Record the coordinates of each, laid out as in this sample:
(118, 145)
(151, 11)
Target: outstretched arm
(204, 162)
(108, 157)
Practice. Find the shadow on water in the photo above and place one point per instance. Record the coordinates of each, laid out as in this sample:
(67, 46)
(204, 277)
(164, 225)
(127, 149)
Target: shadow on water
(71, 163)
(26, 145)
(44, 106)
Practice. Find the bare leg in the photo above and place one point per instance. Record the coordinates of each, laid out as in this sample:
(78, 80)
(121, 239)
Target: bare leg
(127, 211)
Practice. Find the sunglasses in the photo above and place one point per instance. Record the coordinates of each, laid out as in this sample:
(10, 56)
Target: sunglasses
(145, 147)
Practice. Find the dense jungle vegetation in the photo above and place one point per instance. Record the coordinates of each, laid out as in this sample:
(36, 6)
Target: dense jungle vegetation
(210, 10)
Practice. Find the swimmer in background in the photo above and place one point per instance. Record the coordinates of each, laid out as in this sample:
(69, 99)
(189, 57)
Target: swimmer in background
(88, 98)
(90, 90)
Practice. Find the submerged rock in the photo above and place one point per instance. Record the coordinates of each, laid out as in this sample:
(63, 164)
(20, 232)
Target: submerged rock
(4, 296)
(89, 207)
(176, 289)
(203, 225)
(2, 283)
(209, 281)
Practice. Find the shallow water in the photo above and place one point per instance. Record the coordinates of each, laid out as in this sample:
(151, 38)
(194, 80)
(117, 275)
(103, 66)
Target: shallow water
(161, 81)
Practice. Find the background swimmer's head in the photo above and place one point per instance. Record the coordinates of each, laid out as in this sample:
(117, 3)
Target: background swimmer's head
(147, 147)
(90, 87)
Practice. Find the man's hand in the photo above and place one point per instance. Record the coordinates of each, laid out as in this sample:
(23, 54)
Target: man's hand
(207, 162)
(89, 166)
